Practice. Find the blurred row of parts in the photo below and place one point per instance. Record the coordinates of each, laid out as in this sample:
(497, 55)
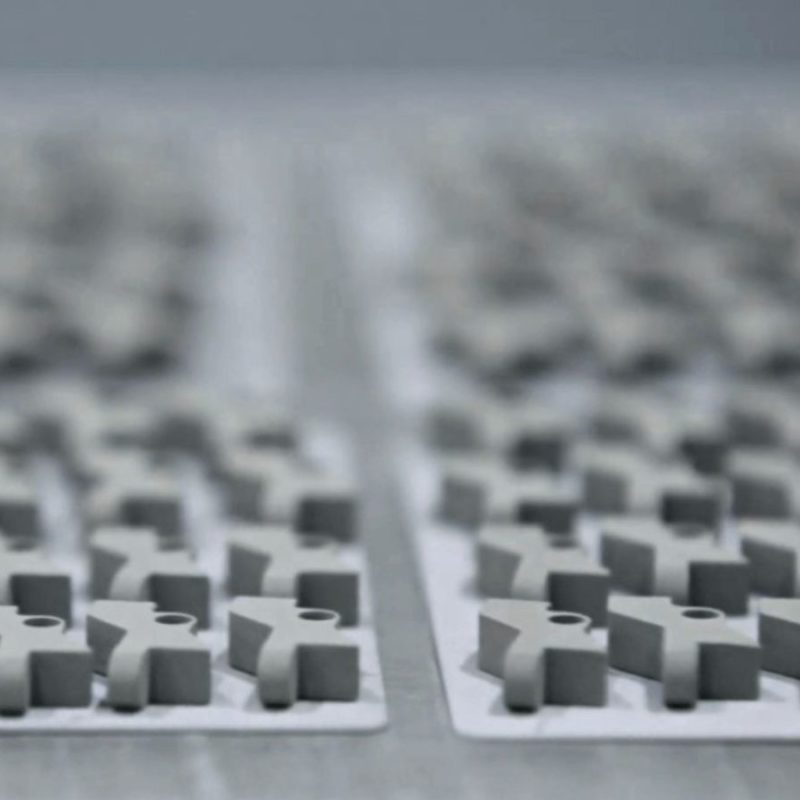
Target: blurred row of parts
(637, 253)
(103, 236)
(171, 511)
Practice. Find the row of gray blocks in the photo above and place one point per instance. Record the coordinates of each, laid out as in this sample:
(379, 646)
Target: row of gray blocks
(117, 455)
(149, 656)
(130, 563)
(642, 556)
(680, 578)
(547, 656)
(611, 478)
(291, 593)
(629, 451)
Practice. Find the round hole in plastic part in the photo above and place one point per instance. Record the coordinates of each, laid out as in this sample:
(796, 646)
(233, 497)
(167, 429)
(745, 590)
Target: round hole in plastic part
(701, 613)
(42, 622)
(316, 616)
(566, 619)
(173, 619)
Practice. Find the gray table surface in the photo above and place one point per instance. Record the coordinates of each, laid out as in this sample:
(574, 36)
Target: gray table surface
(418, 755)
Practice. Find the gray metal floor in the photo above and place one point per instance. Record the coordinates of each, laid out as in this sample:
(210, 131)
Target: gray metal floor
(418, 755)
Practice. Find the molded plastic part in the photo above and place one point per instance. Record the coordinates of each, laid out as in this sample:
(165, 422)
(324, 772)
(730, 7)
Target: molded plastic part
(41, 665)
(692, 651)
(153, 500)
(779, 634)
(148, 656)
(273, 561)
(542, 655)
(522, 561)
(773, 549)
(478, 489)
(295, 653)
(127, 564)
(29, 581)
(684, 563)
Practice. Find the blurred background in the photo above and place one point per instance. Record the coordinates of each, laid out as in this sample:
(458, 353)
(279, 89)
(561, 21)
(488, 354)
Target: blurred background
(182, 242)
(356, 35)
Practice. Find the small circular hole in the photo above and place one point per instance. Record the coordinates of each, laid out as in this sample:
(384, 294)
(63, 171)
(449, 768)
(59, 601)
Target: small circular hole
(317, 616)
(41, 622)
(700, 613)
(566, 619)
(173, 619)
